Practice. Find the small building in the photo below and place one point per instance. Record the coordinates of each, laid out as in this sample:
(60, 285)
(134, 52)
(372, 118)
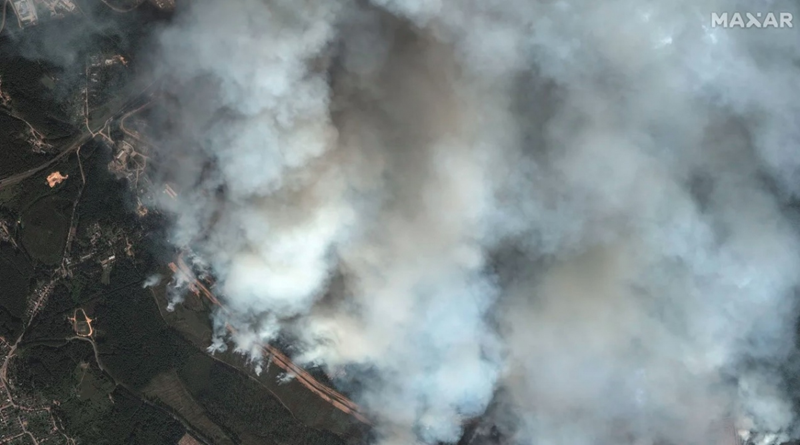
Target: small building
(25, 11)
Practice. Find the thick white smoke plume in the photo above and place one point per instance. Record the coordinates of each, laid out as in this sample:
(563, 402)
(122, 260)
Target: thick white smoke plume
(573, 210)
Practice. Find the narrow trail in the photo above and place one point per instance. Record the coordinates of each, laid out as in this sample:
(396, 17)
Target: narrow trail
(3, 22)
(118, 9)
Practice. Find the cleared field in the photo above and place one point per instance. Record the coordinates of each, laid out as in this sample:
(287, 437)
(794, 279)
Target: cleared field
(44, 228)
(168, 388)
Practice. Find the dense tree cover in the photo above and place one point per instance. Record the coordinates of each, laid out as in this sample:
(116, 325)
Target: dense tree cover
(91, 407)
(134, 342)
(249, 412)
(101, 406)
(15, 275)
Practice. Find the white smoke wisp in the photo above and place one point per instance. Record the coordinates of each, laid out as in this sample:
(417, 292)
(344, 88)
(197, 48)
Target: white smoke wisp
(152, 280)
(577, 203)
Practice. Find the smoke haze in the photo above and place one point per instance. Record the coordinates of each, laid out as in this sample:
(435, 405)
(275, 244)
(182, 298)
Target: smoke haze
(574, 214)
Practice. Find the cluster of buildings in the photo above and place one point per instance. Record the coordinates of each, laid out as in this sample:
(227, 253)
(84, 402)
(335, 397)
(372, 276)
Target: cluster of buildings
(5, 99)
(27, 11)
(167, 5)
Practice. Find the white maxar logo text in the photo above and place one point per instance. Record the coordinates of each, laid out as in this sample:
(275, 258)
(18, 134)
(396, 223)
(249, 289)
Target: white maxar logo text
(752, 20)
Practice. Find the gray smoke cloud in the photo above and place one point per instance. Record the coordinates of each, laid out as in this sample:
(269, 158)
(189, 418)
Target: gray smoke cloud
(574, 211)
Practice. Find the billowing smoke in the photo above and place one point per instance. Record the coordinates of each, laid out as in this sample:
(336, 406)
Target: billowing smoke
(573, 211)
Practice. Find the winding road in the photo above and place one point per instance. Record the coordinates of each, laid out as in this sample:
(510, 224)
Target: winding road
(83, 137)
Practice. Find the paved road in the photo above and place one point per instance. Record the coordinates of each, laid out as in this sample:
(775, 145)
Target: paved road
(13, 179)
(326, 393)
(85, 136)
